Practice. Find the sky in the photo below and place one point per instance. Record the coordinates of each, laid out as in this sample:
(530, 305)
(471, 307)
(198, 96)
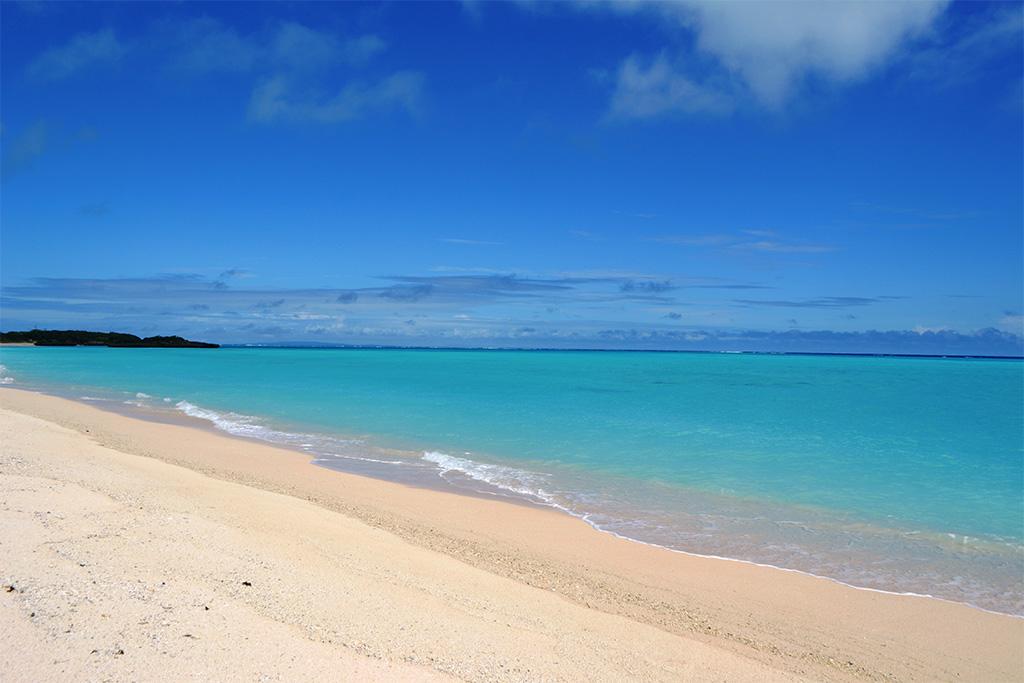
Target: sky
(842, 177)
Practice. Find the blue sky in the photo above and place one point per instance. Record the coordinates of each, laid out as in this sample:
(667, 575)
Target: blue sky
(822, 177)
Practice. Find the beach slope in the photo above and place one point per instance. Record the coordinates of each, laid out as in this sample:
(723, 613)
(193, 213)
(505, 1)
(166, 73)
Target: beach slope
(139, 550)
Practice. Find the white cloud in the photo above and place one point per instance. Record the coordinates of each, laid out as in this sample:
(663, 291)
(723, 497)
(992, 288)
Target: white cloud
(82, 51)
(773, 46)
(764, 50)
(1012, 322)
(647, 90)
(276, 99)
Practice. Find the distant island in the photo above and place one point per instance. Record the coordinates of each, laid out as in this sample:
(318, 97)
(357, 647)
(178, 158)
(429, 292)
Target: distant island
(112, 339)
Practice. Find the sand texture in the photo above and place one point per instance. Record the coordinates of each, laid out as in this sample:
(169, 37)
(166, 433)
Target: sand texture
(136, 550)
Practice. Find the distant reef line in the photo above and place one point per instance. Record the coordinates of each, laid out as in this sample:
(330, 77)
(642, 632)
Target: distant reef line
(111, 339)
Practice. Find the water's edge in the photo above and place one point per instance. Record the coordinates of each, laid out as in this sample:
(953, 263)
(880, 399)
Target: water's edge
(425, 468)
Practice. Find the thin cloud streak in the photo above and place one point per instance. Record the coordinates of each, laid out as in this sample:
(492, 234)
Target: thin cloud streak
(740, 242)
(469, 242)
(821, 302)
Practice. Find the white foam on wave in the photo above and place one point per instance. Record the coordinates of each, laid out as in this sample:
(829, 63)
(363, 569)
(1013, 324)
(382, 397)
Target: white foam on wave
(534, 486)
(140, 400)
(323, 447)
(232, 423)
(360, 458)
(4, 377)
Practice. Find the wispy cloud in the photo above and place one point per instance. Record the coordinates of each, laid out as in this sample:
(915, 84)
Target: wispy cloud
(742, 241)
(363, 48)
(83, 51)
(179, 289)
(295, 66)
(234, 273)
(204, 44)
(482, 285)
(28, 146)
(696, 240)
(301, 73)
(266, 305)
(649, 88)
(820, 302)
(94, 209)
(36, 140)
(301, 47)
(586, 235)
(969, 45)
(278, 99)
(647, 286)
(636, 214)
(462, 310)
(469, 242)
(728, 285)
(407, 293)
(874, 214)
(783, 248)
(348, 297)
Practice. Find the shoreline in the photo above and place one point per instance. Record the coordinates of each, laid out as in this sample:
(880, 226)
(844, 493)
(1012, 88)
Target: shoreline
(777, 616)
(183, 418)
(134, 410)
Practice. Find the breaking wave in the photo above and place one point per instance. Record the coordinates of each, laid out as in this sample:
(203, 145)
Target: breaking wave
(535, 486)
(319, 445)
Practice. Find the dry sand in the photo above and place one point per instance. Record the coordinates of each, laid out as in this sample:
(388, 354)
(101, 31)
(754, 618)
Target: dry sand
(147, 551)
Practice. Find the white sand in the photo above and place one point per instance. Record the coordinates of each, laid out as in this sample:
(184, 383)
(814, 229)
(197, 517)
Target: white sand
(131, 567)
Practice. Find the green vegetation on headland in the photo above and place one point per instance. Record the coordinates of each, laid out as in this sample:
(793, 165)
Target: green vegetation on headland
(83, 338)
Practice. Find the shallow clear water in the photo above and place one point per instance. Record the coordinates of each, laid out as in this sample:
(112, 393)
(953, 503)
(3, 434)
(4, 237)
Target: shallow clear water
(900, 474)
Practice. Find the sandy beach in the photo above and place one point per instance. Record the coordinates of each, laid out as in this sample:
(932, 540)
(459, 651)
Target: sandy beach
(142, 550)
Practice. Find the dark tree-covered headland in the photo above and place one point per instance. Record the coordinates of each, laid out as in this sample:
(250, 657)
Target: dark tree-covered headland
(113, 339)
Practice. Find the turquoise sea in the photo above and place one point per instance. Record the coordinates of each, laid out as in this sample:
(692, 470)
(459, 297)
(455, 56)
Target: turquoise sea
(898, 474)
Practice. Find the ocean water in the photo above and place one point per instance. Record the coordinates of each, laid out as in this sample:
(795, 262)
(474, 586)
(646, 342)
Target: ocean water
(896, 474)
